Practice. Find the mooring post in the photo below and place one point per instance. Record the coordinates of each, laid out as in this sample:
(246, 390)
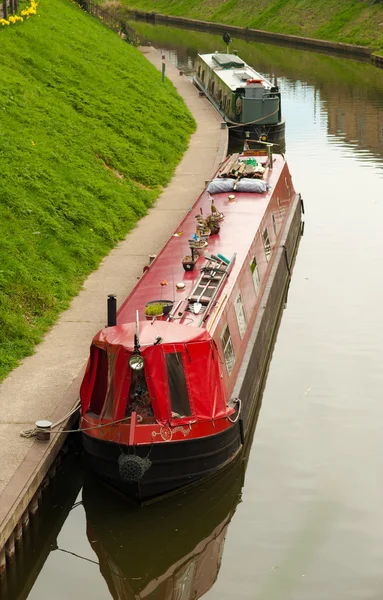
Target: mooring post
(3, 562)
(52, 471)
(163, 68)
(43, 430)
(10, 546)
(19, 533)
(34, 505)
(25, 519)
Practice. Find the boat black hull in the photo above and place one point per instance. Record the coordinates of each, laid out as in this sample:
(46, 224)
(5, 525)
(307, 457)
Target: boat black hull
(174, 465)
(273, 133)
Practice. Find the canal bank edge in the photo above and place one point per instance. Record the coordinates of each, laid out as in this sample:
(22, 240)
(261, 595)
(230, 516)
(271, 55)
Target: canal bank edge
(75, 328)
(347, 50)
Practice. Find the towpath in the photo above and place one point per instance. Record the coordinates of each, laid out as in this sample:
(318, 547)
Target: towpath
(45, 385)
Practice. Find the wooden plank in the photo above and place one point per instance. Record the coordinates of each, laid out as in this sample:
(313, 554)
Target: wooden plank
(226, 170)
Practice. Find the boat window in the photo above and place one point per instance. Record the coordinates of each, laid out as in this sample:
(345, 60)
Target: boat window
(274, 225)
(107, 410)
(279, 206)
(266, 243)
(255, 273)
(100, 385)
(212, 87)
(179, 397)
(240, 314)
(203, 76)
(228, 349)
(199, 71)
(287, 185)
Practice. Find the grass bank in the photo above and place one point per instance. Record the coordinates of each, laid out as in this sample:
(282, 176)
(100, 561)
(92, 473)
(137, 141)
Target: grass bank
(349, 21)
(88, 136)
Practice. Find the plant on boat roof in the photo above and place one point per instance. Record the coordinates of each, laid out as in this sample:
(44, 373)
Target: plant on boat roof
(155, 309)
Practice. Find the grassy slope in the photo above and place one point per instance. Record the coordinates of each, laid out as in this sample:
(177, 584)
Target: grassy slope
(84, 151)
(349, 21)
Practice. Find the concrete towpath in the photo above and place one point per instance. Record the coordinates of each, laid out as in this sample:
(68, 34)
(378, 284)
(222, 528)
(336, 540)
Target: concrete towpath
(46, 385)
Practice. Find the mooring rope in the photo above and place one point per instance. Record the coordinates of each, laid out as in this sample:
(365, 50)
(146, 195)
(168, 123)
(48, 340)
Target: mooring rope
(252, 122)
(27, 433)
(32, 432)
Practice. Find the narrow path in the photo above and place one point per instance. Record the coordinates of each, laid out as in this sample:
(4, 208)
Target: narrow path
(45, 385)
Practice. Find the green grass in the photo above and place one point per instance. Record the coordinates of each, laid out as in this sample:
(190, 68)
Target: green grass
(348, 21)
(88, 136)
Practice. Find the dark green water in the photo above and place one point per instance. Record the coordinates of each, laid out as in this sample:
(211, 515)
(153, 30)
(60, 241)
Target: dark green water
(305, 521)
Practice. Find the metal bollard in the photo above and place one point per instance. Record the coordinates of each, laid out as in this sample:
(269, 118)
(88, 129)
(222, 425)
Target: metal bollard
(42, 434)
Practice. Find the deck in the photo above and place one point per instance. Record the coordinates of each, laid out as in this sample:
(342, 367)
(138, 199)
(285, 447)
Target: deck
(243, 217)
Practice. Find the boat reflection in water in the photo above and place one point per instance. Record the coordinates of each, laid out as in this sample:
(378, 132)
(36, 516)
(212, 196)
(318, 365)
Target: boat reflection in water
(170, 550)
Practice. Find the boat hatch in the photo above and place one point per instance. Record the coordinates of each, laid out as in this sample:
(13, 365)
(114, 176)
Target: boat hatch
(244, 75)
(228, 61)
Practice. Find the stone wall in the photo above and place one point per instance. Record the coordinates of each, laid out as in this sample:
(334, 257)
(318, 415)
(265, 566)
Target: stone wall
(257, 34)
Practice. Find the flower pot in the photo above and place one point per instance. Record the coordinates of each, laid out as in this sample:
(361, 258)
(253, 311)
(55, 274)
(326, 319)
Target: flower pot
(188, 263)
(158, 308)
(197, 244)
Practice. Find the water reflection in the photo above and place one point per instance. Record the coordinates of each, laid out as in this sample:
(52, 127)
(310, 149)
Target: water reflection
(350, 93)
(167, 551)
(40, 540)
(170, 550)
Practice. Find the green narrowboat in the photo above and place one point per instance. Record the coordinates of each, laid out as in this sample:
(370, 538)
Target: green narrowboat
(245, 99)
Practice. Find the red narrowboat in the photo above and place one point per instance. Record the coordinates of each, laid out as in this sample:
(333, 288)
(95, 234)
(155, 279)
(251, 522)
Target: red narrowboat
(171, 384)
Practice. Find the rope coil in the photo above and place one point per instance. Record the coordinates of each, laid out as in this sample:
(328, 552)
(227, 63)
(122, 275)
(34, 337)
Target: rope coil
(28, 433)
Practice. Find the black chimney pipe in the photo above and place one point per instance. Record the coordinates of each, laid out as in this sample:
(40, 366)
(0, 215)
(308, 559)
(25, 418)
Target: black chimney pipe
(112, 310)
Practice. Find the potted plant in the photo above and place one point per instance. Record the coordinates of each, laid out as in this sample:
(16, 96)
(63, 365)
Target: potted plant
(189, 261)
(213, 225)
(158, 308)
(197, 243)
(218, 216)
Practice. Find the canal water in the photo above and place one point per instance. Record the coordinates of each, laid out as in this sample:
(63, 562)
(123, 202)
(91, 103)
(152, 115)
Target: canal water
(304, 519)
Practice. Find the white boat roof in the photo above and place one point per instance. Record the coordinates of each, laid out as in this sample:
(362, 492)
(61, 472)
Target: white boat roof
(232, 70)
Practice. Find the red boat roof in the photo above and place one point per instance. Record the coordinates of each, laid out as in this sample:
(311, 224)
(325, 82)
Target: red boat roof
(243, 216)
(170, 333)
